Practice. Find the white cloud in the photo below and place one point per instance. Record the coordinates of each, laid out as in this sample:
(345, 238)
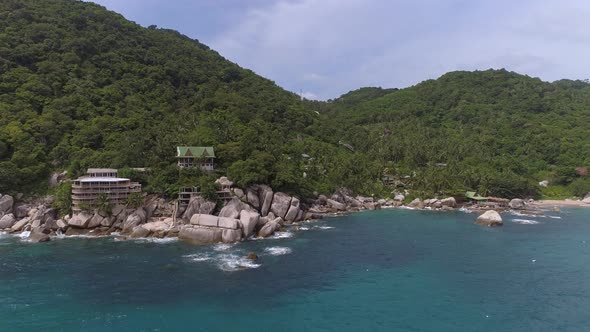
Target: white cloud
(332, 46)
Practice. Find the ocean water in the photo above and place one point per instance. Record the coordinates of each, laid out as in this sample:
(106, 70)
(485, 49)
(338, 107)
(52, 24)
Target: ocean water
(388, 270)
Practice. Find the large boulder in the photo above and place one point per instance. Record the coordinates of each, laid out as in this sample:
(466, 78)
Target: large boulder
(7, 221)
(232, 209)
(449, 201)
(21, 210)
(224, 182)
(417, 203)
(19, 225)
(293, 211)
(198, 205)
(80, 220)
(586, 199)
(517, 204)
(136, 218)
(95, 221)
(336, 205)
(249, 219)
(399, 198)
(229, 223)
(252, 196)
(231, 235)
(280, 204)
(139, 231)
(61, 224)
(266, 197)
(37, 237)
(204, 220)
(158, 226)
(269, 228)
(489, 218)
(6, 203)
(200, 235)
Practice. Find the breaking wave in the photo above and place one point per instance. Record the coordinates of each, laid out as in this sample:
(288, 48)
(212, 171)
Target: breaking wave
(525, 221)
(277, 251)
(232, 262)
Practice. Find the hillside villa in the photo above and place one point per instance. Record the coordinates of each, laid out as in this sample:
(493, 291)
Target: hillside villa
(196, 156)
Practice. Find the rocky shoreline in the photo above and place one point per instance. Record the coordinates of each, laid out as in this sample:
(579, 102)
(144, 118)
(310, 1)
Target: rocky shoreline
(256, 211)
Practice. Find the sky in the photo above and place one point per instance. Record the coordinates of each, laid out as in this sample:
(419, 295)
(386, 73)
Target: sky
(325, 48)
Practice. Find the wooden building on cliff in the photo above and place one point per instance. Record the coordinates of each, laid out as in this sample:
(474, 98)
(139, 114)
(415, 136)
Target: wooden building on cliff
(196, 156)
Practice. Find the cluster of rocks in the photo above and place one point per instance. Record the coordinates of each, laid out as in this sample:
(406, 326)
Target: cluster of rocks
(343, 201)
(255, 211)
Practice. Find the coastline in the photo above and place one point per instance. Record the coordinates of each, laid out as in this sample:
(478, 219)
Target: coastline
(558, 202)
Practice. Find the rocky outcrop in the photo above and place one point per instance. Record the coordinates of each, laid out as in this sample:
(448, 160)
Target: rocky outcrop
(336, 205)
(37, 237)
(249, 220)
(449, 202)
(252, 196)
(417, 203)
(266, 196)
(200, 235)
(80, 220)
(270, 227)
(489, 218)
(293, 211)
(399, 198)
(7, 221)
(158, 226)
(517, 204)
(20, 225)
(6, 203)
(232, 209)
(231, 235)
(280, 204)
(139, 232)
(198, 205)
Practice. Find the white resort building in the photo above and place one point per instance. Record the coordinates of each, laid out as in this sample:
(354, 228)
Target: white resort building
(87, 189)
(196, 156)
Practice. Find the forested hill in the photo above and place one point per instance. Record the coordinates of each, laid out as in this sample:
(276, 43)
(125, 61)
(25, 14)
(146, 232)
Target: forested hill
(82, 87)
(497, 131)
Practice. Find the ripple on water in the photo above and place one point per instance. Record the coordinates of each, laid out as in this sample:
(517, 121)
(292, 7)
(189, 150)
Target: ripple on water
(198, 257)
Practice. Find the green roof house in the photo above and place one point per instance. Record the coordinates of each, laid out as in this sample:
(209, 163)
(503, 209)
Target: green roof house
(474, 197)
(196, 156)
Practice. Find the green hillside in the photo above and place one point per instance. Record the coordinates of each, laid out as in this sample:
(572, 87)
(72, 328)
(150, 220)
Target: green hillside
(82, 87)
(498, 132)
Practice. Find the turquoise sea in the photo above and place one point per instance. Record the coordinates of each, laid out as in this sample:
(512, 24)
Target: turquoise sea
(388, 270)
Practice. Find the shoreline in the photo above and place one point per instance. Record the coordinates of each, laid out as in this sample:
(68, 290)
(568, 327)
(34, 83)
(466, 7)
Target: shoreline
(558, 202)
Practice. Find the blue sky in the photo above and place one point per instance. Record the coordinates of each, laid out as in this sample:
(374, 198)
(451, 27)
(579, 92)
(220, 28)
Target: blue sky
(328, 47)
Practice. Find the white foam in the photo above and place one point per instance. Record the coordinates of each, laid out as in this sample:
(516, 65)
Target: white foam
(223, 246)
(281, 235)
(231, 262)
(24, 234)
(303, 228)
(277, 251)
(324, 227)
(199, 257)
(525, 221)
(407, 208)
(553, 217)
